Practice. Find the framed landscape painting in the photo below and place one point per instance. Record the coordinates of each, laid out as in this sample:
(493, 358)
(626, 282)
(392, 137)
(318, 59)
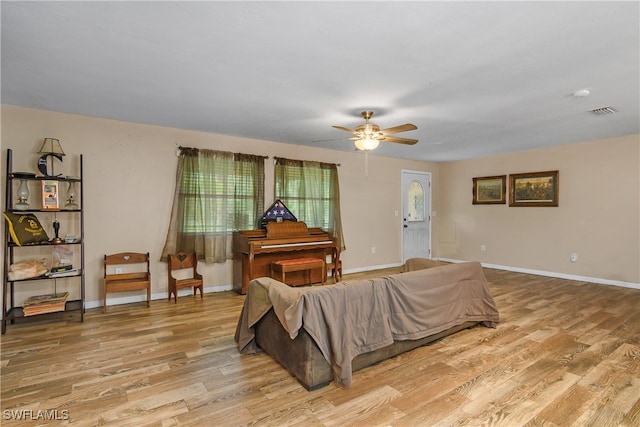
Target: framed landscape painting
(533, 189)
(490, 190)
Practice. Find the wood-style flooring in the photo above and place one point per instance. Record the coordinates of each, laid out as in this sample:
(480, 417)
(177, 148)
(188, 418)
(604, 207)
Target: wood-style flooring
(566, 353)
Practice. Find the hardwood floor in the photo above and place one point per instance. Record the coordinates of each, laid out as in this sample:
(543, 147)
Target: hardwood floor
(566, 353)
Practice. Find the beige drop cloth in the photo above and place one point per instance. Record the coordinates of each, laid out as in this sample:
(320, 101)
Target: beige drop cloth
(350, 318)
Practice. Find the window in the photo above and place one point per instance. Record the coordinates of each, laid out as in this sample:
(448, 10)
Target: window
(415, 199)
(311, 192)
(216, 193)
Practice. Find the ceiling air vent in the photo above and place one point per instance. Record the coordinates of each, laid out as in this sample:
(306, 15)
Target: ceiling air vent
(603, 111)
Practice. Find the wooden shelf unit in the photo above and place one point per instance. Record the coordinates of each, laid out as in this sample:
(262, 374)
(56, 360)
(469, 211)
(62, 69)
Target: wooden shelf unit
(10, 311)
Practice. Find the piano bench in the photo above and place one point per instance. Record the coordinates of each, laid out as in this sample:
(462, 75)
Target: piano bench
(299, 264)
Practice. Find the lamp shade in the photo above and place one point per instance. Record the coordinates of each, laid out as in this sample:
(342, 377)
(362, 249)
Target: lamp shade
(51, 146)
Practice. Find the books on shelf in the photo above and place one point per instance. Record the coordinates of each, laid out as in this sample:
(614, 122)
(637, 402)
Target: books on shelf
(63, 273)
(36, 309)
(61, 268)
(46, 298)
(47, 303)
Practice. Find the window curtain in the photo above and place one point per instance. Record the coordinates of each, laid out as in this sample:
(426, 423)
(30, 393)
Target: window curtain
(216, 193)
(248, 195)
(311, 191)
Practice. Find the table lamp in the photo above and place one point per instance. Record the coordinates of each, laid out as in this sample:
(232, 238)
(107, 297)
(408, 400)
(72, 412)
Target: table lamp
(50, 148)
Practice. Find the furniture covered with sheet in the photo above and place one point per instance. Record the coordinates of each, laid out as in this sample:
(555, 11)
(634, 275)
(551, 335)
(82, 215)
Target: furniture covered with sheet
(326, 332)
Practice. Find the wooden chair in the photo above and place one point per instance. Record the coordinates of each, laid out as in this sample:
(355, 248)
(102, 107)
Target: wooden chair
(126, 271)
(184, 261)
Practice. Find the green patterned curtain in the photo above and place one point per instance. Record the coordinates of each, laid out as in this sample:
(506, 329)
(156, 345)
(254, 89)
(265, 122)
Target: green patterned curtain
(311, 191)
(216, 193)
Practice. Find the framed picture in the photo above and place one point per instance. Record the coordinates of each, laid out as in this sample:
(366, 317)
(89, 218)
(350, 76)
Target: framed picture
(533, 189)
(490, 190)
(50, 195)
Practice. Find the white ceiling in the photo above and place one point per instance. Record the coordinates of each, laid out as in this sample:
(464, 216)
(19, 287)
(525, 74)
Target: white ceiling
(476, 78)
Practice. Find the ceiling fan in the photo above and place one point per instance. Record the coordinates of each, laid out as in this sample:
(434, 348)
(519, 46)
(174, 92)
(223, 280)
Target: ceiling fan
(368, 135)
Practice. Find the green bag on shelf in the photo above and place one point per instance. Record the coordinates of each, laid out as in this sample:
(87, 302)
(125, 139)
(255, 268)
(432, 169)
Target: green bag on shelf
(25, 229)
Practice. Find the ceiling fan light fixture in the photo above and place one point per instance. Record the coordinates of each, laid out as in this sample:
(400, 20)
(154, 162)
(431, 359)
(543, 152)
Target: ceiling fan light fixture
(367, 136)
(367, 144)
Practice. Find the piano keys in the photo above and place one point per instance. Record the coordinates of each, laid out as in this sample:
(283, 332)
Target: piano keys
(255, 250)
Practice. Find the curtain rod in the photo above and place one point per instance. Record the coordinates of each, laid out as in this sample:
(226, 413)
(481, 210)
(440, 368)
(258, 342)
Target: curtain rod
(275, 159)
(180, 147)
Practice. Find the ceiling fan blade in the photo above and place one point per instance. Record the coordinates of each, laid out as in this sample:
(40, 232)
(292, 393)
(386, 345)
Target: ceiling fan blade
(407, 141)
(331, 139)
(344, 129)
(400, 128)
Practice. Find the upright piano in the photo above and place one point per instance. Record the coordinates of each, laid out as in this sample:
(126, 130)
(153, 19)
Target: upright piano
(255, 250)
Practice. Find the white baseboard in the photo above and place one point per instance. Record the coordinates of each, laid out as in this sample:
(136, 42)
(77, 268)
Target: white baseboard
(222, 288)
(554, 274)
(373, 267)
(141, 297)
(156, 296)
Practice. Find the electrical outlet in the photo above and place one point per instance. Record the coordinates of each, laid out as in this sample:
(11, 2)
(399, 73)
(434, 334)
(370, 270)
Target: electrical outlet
(118, 271)
(483, 248)
(574, 257)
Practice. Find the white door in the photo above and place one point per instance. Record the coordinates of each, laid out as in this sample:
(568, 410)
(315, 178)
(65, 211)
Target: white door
(416, 214)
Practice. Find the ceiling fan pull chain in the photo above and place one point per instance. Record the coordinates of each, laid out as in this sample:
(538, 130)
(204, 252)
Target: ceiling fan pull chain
(366, 163)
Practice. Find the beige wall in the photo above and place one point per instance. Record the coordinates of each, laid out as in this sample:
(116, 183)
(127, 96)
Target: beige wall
(598, 217)
(129, 172)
